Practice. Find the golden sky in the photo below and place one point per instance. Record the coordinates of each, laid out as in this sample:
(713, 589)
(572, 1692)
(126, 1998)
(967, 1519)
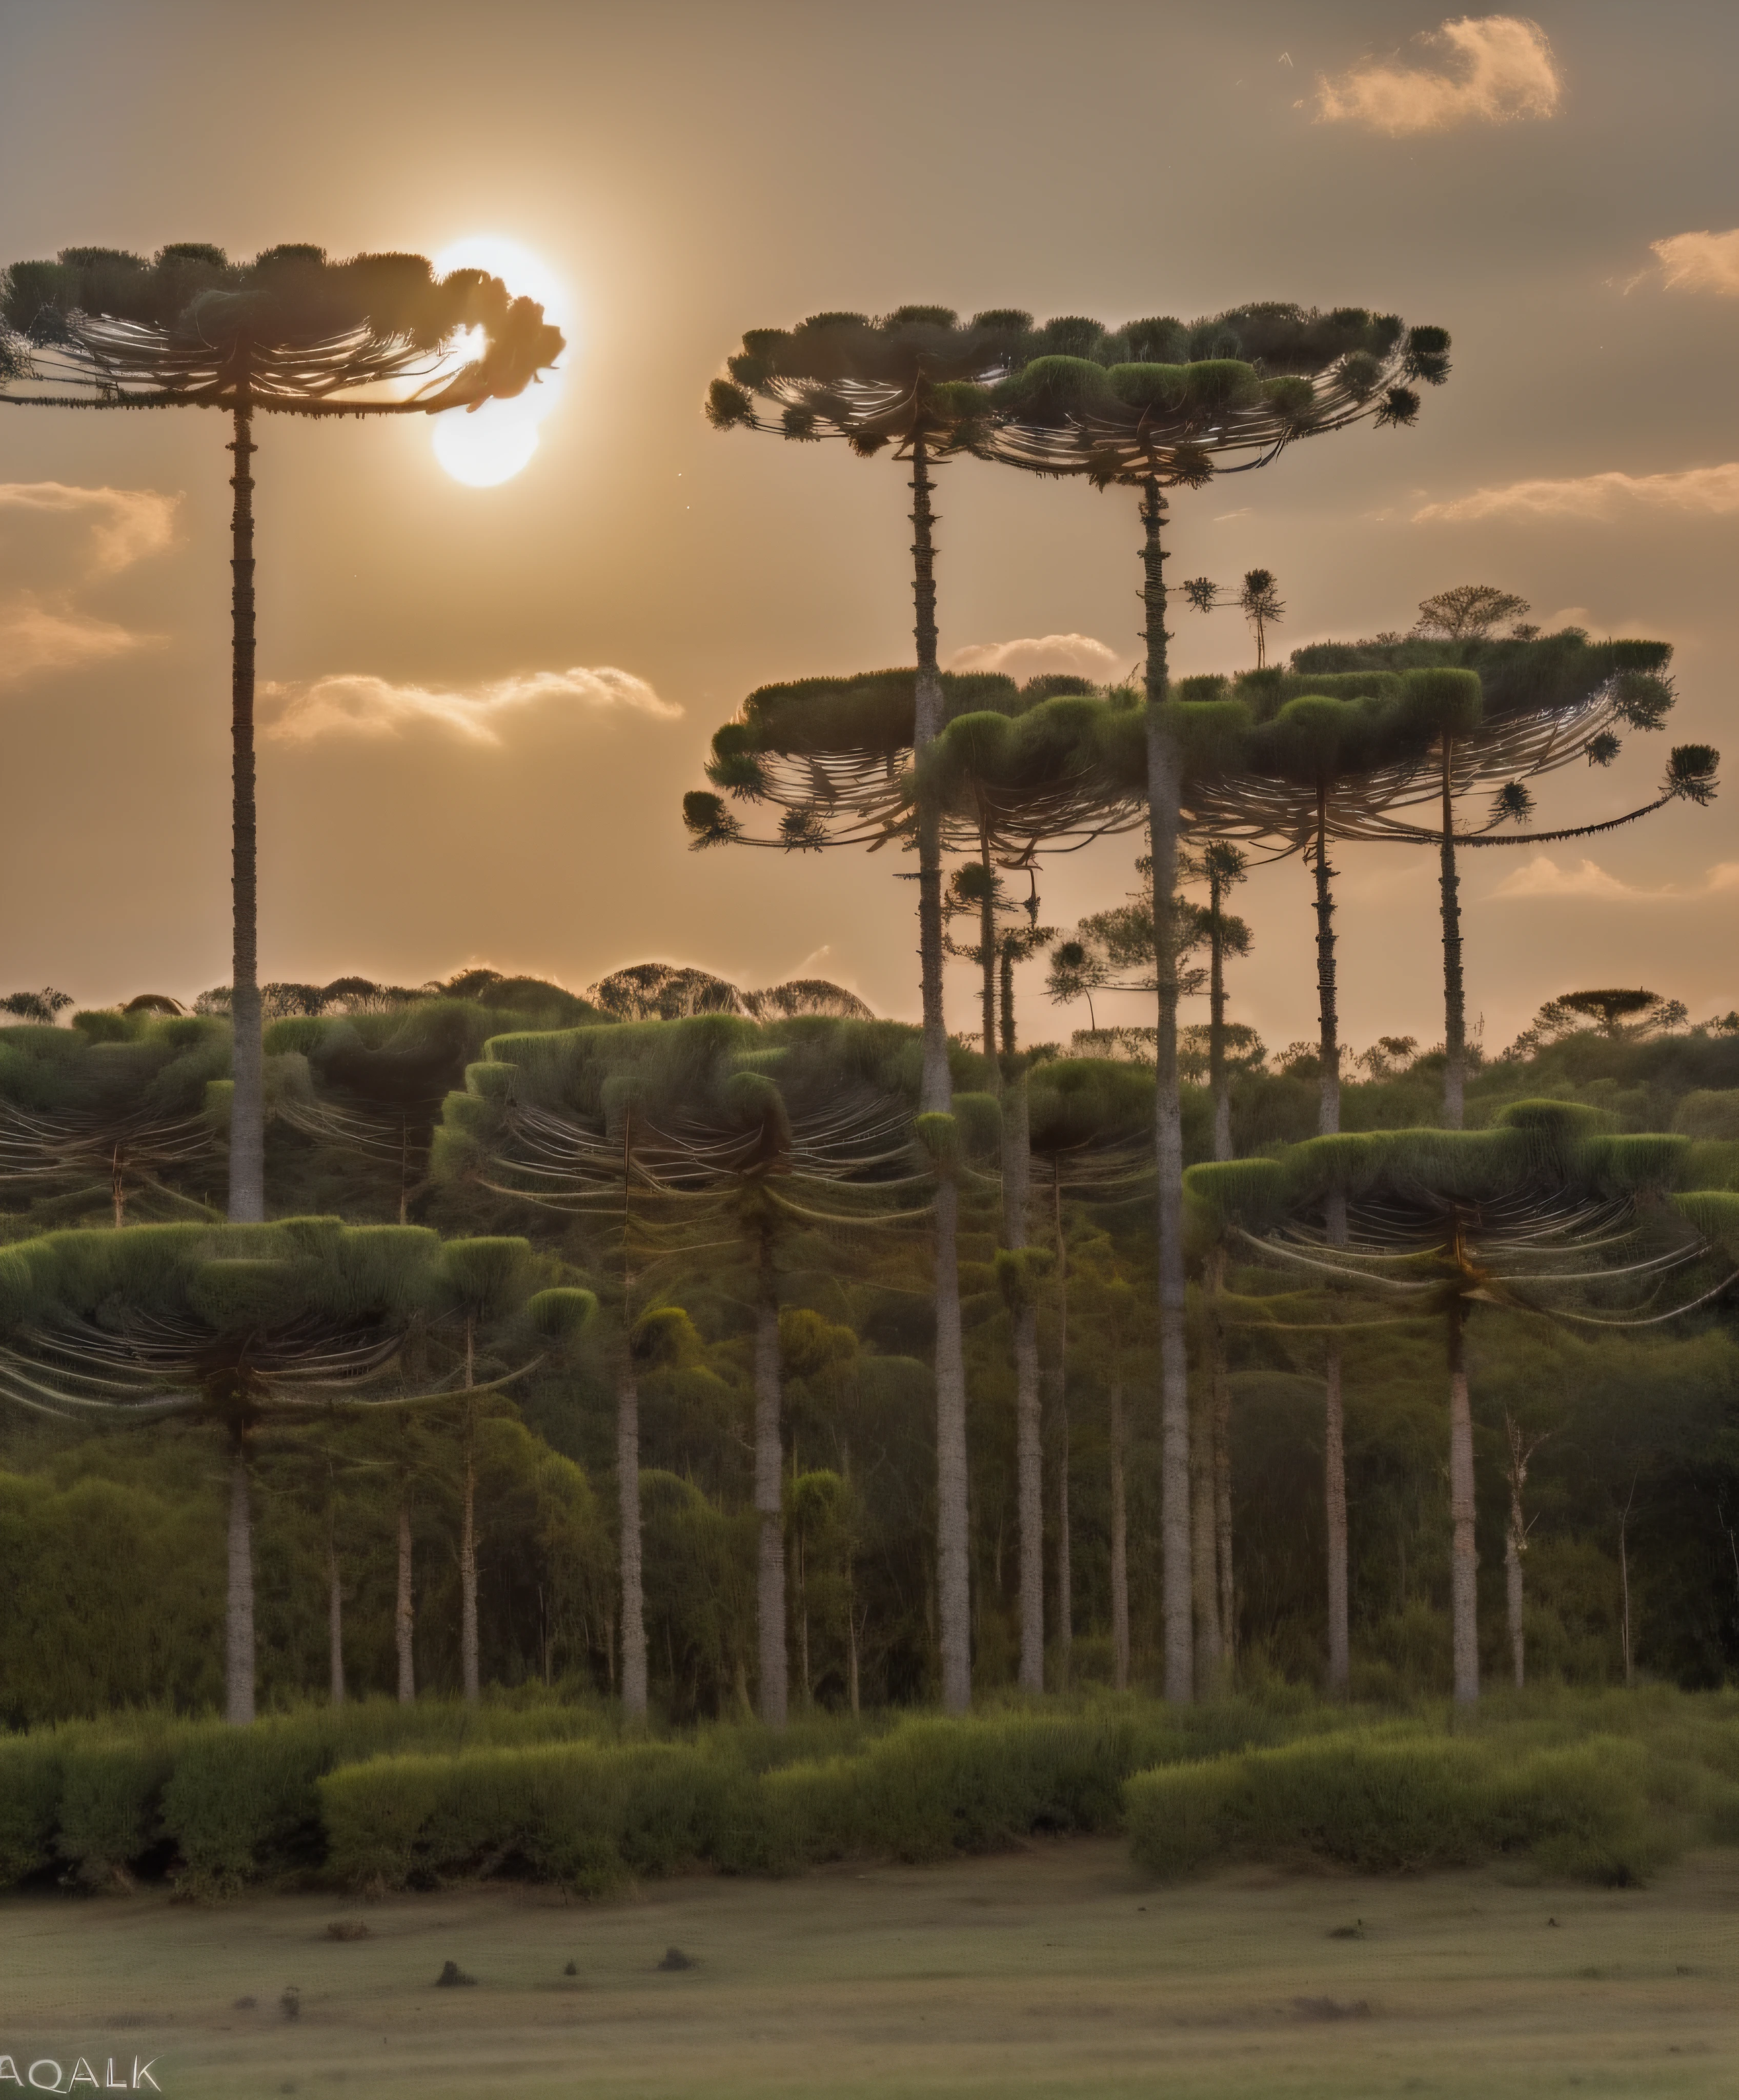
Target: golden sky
(486, 702)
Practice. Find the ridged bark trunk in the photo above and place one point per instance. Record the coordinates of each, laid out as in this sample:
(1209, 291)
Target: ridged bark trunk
(1335, 1525)
(247, 1126)
(1164, 795)
(769, 1583)
(334, 1612)
(953, 1584)
(1455, 997)
(238, 1617)
(1119, 1548)
(403, 1616)
(1463, 1561)
(628, 1520)
(1029, 1421)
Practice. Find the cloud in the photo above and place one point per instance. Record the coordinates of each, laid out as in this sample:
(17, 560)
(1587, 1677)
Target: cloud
(1700, 262)
(56, 542)
(1703, 491)
(1498, 67)
(1078, 655)
(357, 704)
(1541, 876)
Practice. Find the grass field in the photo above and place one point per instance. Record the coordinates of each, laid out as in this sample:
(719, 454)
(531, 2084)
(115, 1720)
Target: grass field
(1057, 1970)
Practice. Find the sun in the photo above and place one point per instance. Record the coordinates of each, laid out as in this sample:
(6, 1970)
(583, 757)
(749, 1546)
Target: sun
(489, 445)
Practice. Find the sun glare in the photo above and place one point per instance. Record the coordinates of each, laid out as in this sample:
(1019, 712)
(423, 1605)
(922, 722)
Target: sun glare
(490, 444)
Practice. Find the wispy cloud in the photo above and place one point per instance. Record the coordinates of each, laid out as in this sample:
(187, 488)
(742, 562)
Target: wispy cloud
(56, 543)
(1541, 876)
(1701, 262)
(1079, 655)
(1705, 492)
(357, 704)
(1496, 67)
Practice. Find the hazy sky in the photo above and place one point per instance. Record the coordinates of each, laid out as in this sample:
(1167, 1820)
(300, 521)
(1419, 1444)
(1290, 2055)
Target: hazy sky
(489, 701)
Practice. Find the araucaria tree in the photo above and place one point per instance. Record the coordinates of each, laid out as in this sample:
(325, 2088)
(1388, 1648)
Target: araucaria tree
(1153, 406)
(914, 381)
(288, 334)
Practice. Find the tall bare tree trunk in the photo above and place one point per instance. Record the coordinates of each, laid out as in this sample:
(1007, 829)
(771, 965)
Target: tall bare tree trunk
(1515, 1546)
(1219, 1079)
(628, 1520)
(953, 1584)
(1463, 1561)
(1204, 1583)
(1334, 1412)
(1120, 1547)
(247, 1127)
(469, 1658)
(1164, 795)
(1029, 1421)
(1455, 997)
(238, 1633)
(404, 1618)
(1222, 1377)
(334, 1609)
(1065, 1532)
(769, 1584)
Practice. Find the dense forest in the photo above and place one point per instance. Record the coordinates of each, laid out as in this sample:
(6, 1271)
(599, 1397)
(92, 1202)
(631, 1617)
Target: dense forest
(490, 1107)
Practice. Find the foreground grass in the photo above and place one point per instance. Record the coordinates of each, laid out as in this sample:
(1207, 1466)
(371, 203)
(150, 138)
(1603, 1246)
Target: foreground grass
(1060, 1970)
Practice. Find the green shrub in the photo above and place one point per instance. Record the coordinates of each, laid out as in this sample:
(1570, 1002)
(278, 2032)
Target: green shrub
(29, 1804)
(589, 1817)
(1386, 1803)
(111, 1790)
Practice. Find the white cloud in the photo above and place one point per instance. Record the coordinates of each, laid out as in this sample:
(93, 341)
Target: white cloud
(1498, 67)
(357, 704)
(1700, 262)
(1078, 655)
(56, 543)
(1541, 876)
(1703, 491)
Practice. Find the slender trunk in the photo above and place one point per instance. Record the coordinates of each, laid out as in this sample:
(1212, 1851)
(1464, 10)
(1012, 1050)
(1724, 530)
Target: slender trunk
(953, 1587)
(1464, 1563)
(1065, 1533)
(769, 1585)
(988, 955)
(851, 1657)
(1120, 1547)
(1164, 794)
(247, 1127)
(1218, 1080)
(334, 1609)
(238, 1642)
(117, 1189)
(468, 1642)
(1334, 1516)
(1328, 1102)
(1029, 1421)
(1219, 1372)
(807, 1679)
(1204, 1587)
(1515, 1543)
(1454, 1003)
(627, 1519)
(1334, 1415)
(404, 1623)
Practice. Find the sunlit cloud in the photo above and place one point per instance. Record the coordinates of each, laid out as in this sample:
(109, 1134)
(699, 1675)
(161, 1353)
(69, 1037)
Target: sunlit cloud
(1079, 656)
(357, 704)
(1703, 491)
(1496, 67)
(1701, 262)
(1541, 876)
(56, 542)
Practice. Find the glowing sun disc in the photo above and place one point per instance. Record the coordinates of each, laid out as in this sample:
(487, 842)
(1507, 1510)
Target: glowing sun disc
(490, 444)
